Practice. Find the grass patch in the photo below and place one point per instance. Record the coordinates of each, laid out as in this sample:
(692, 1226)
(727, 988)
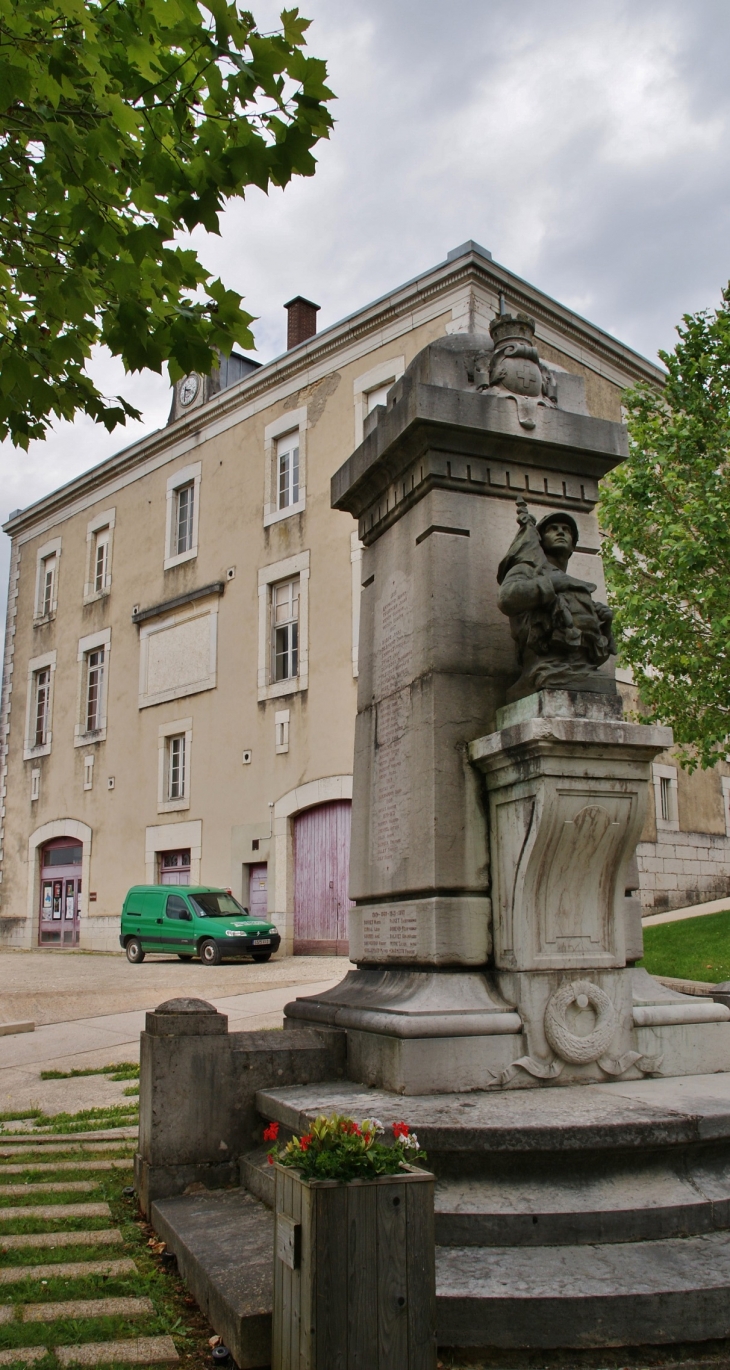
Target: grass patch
(124, 1070)
(175, 1311)
(123, 1150)
(691, 949)
(20, 1115)
(12, 1227)
(87, 1120)
(57, 1255)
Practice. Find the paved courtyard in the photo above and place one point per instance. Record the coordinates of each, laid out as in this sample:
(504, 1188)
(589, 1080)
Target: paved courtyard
(89, 1009)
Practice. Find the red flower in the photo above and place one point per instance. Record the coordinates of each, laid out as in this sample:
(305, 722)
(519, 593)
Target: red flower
(271, 1132)
(270, 1159)
(401, 1130)
(304, 1141)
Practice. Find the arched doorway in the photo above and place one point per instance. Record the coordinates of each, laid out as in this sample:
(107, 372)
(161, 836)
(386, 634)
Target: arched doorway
(321, 873)
(58, 923)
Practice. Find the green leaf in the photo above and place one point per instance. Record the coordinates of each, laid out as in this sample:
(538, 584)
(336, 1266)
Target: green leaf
(122, 124)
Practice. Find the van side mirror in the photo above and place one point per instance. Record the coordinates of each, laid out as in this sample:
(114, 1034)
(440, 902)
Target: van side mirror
(187, 916)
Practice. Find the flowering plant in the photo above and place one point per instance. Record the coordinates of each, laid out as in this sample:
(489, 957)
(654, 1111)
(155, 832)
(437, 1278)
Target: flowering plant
(338, 1148)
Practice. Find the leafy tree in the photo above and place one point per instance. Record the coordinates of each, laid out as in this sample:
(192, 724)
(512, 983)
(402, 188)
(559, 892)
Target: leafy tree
(122, 124)
(666, 514)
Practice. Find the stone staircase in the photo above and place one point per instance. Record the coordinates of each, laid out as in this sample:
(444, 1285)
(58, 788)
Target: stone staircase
(578, 1217)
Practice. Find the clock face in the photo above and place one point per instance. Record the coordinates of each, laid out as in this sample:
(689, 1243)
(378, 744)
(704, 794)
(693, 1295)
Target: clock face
(189, 388)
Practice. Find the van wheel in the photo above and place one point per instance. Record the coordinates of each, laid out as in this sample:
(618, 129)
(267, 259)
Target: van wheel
(210, 953)
(262, 956)
(135, 952)
(180, 957)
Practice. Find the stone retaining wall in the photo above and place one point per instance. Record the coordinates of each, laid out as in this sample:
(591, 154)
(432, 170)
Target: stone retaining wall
(683, 868)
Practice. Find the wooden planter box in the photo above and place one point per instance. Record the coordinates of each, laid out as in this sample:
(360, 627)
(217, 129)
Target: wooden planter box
(354, 1277)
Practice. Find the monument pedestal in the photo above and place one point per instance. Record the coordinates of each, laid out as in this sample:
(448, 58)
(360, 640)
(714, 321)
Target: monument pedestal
(567, 780)
(491, 844)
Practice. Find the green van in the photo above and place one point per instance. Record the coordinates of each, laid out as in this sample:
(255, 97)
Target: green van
(192, 920)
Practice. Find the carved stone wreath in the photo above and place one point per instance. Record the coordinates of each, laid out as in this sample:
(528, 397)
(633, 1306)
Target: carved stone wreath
(568, 1045)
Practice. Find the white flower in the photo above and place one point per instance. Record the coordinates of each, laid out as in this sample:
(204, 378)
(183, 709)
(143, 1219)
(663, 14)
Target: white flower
(410, 1141)
(373, 1125)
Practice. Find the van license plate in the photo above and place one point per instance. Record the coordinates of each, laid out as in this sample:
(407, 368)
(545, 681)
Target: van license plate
(261, 942)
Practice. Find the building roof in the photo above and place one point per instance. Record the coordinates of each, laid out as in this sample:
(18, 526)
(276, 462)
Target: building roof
(469, 267)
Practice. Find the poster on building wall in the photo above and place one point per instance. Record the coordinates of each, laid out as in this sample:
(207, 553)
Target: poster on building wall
(47, 900)
(69, 898)
(57, 896)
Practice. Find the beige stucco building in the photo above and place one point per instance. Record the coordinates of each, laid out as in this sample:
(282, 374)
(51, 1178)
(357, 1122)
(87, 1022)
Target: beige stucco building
(179, 685)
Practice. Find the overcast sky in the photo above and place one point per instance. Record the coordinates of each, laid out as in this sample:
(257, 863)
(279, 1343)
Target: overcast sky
(587, 145)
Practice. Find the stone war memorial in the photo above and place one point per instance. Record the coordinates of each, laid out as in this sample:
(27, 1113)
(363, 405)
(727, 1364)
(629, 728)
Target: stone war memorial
(575, 1110)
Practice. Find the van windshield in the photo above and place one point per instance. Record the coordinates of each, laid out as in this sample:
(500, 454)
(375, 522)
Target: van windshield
(217, 905)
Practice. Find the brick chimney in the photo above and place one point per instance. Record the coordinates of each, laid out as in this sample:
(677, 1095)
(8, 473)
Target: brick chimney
(301, 321)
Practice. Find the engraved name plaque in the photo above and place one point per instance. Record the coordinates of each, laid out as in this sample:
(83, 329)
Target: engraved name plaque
(390, 933)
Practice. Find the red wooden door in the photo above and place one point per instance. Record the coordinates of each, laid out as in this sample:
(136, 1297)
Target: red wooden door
(321, 874)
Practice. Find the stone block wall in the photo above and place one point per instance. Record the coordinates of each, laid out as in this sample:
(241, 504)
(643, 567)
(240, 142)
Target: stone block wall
(683, 868)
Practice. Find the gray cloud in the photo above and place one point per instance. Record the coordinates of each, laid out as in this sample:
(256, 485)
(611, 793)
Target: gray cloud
(588, 146)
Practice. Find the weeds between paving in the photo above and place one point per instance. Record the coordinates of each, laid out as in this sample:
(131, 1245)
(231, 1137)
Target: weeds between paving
(168, 1310)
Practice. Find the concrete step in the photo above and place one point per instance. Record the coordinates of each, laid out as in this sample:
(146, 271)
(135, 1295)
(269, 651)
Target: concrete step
(599, 1199)
(626, 1294)
(224, 1244)
(105, 1236)
(632, 1117)
(51, 1212)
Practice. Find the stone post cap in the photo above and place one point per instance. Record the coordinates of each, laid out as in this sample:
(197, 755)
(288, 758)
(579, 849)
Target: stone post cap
(186, 1018)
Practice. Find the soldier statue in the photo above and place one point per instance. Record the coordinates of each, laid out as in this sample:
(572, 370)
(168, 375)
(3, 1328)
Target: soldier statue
(562, 634)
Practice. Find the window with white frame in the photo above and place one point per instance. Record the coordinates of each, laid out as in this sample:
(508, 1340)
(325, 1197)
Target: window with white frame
(94, 689)
(287, 470)
(99, 534)
(285, 630)
(176, 767)
(46, 579)
(175, 744)
(101, 560)
(39, 706)
(48, 586)
(93, 658)
(285, 466)
(89, 771)
(665, 796)
(375, 397)
(371, 389)
(283, 657)
(183, 511)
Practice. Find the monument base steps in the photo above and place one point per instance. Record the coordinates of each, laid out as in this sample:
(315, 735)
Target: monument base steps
(574, 1220)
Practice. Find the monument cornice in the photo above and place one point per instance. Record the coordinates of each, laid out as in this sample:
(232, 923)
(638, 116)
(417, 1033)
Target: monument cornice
(434, 436)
